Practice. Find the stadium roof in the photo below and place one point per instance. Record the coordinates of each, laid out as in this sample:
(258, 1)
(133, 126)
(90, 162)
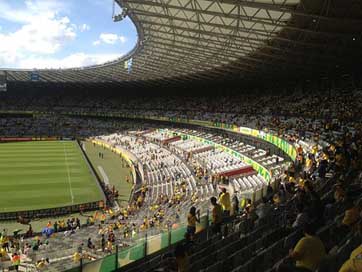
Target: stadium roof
(202, 40)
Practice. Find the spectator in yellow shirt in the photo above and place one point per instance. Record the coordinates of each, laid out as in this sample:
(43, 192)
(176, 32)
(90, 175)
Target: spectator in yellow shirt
(76, 257)
(41, 265)
(225, 202)
(309, 251)
(2, 253)
(354, 263)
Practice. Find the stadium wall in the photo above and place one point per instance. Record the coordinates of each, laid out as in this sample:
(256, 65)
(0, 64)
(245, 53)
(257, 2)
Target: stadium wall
(29, 139)
(42, 213)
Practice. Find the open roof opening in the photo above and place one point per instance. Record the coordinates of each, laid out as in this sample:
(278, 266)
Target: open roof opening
(40, 34)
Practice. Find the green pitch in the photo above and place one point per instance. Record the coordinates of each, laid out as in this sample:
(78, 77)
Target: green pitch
(114, 168)
(40, 175)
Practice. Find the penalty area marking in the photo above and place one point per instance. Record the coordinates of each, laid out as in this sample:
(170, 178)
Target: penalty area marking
(69, 179)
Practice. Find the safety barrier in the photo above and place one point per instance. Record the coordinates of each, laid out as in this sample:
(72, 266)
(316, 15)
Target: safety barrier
(50, 212)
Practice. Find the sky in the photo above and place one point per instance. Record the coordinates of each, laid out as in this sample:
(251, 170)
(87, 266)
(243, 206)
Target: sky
(37, 34)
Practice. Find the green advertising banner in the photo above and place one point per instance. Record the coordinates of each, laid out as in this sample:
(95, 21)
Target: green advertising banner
(282, 144)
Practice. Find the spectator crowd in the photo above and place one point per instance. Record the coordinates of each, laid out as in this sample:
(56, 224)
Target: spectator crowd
(317, 199)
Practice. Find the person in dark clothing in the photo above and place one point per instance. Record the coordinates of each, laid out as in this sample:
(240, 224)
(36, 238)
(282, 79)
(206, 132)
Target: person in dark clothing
(235, 204)
(103, 243)
(77, 221)
(269, 192)
(90, 244)
(316, 208)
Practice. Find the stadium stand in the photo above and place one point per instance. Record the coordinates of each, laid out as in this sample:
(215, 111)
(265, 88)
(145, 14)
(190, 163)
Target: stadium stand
(262, 235)
(242, 119)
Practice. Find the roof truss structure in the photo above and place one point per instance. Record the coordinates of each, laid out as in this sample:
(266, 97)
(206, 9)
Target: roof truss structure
(190, 40)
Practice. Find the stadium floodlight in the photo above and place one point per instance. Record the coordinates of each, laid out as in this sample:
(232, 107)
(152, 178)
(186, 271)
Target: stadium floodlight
(120, 17)
(117, 18)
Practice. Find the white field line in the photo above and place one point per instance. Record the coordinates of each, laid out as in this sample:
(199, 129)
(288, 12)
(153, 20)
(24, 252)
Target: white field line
(106, 181)
(69, 180)
(104, 175)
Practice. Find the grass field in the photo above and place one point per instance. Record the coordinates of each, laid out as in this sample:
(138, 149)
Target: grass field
(113, 167)
(40, 175)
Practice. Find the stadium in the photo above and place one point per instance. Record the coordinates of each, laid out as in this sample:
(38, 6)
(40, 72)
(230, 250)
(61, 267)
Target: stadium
(227, 137)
